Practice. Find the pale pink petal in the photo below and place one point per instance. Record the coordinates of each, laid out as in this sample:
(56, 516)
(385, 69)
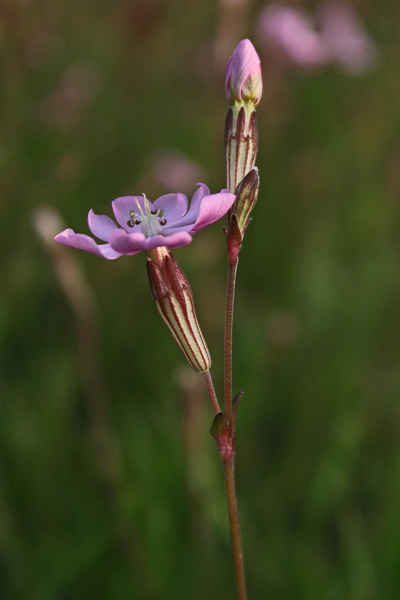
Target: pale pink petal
(190, 217)
(213, 208)
(122, 207)
(173, 205)
(175, 240)
(68, 237)
(127, 243)
(199, 194)
(100, 225)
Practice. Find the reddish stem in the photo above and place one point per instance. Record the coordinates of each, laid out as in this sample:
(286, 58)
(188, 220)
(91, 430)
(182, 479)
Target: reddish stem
(211, 392)
(230, 297)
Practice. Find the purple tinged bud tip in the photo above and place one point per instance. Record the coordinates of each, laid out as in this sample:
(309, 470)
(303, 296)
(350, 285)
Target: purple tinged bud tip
(243, 75)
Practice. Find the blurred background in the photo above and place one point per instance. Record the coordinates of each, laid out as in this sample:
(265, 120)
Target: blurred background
(110, 484)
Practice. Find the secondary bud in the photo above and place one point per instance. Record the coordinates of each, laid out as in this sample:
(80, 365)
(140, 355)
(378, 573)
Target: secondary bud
(243, 75)
(239, 214)
(246, 198)
(174, 302)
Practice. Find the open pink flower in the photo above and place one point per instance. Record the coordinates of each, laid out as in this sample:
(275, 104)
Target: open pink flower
(144, 225)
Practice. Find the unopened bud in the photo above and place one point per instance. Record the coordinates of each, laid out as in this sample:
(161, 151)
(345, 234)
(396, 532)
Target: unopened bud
(246, 198)
(243, 75)
(174, 302)
(239, 214)
(241, 144)
(243, 87)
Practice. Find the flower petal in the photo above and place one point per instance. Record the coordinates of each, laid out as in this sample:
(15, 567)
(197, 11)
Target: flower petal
(173, 205)
(133, 243)
(68, 237)
(212, 208)
(190, 217)
(199, 194)
(122, 207)
(243, 74)
(175, 240)
(101, 226)
(127, 243)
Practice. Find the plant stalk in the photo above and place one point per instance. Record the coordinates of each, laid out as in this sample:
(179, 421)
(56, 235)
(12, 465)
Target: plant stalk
(236, 542)
(211, 392)
(228, 458)
(230, 297)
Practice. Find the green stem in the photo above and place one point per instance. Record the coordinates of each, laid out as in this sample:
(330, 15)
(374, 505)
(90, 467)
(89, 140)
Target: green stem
(236, 542)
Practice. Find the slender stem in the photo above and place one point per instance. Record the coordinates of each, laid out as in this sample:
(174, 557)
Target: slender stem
(230, 297)
(228, 452)
(211, 392)
(236, 542)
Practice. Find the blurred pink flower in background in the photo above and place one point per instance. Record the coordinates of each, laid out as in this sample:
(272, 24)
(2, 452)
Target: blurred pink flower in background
(174, 170)
(334, 36)
(289, 33)
(348, 42)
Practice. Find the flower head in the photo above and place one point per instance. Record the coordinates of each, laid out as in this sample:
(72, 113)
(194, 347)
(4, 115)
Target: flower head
(145, 225)
(243, 75)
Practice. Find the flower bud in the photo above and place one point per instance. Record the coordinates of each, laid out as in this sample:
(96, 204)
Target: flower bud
(243, 87)
(240, 144)
(239, 214)
(246, 197)
(243, 75)
(174, 302)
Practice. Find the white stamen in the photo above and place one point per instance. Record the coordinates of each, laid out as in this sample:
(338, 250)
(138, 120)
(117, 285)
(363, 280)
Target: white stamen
(149, 223)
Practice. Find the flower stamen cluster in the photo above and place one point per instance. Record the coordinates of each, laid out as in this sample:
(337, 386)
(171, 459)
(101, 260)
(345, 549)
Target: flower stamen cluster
(151, 222)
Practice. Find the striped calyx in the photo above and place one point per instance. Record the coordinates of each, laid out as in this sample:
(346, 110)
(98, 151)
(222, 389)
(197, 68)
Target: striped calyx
(173, 300)
(239, 215)
(246, 197)
(240, 142)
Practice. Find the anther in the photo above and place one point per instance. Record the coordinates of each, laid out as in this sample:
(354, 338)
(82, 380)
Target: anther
(154, 211)
(163, 221)
(137, 221)
(129, 223)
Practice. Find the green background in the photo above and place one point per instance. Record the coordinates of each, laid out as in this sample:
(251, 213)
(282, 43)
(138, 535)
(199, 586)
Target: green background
(110, 485)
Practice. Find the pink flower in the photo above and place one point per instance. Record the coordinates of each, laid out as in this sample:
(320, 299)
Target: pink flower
(175, 170)
(291, 33)
(243, 74)
(347, 41)
(144, 225)
(340, 38)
